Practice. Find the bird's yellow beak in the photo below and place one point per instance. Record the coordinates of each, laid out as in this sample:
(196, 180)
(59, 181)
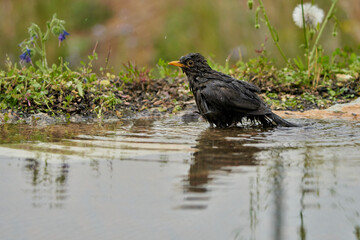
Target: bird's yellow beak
(177, 64)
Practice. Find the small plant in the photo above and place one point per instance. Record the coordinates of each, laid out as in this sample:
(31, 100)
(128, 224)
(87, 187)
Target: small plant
(273, 33)
(164, 70)
(133, 74)
(36, 43)
(308, 17)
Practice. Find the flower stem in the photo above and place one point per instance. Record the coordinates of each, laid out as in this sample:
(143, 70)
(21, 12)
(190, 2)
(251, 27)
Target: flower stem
(328, 16)
(304, 28)
(303, 19)
(43, 54)
(41, 49)
(273, 33)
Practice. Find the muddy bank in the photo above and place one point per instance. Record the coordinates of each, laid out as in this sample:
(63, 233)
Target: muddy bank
(347, 111)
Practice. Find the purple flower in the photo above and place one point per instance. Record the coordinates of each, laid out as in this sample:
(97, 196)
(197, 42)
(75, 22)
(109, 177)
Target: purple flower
(28, 94)
(26, 56)
(33, 37)
(62, 36)
(23, 56)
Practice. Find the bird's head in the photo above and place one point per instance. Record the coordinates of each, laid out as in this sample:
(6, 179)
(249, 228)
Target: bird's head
(193, 63)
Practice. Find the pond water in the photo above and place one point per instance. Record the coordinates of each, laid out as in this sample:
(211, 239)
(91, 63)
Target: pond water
(168, 179)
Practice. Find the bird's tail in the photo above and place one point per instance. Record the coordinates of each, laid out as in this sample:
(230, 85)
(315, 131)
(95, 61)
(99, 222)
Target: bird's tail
(280, 121)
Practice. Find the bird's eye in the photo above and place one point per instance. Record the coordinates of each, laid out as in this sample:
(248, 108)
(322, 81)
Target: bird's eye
(190, 63)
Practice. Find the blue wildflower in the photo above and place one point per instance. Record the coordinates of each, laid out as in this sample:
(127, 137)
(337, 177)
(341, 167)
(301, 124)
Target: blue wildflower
(33, 37)
(62, 36)
(23, 56)
(26, 56)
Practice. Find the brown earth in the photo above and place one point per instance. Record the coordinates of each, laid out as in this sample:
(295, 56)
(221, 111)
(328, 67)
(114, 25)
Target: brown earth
(347, 111)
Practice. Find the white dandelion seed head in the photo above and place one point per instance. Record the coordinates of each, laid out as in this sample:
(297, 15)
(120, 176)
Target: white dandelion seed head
(312, 14)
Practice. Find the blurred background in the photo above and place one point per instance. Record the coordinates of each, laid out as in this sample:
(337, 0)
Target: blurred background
(143, 31)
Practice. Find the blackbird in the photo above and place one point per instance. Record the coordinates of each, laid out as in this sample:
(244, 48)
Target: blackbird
(223, 100)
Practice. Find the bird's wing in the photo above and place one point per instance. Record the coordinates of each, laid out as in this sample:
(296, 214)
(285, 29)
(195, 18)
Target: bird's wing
(230, 96)
(218, 75)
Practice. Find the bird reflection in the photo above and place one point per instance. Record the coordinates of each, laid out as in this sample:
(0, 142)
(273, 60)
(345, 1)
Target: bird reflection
(218, 149)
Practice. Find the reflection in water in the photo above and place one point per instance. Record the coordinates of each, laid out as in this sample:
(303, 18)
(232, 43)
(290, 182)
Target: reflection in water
(17, 133)
(308, 187)
(217, 152)
(142, 126)
(322, 186)
(217, 149)
(357, 232)
(48, 184)
(277, 189)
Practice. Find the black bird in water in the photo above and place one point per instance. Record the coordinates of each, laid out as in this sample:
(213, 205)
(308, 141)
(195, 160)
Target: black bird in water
(223, 100)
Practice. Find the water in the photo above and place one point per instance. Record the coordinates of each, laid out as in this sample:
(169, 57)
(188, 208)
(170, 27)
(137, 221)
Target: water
(166, 179)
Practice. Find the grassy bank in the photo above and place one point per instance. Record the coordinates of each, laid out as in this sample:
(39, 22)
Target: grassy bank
(62, 91)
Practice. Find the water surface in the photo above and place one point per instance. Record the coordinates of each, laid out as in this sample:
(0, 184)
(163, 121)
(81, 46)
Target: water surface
(166, 179)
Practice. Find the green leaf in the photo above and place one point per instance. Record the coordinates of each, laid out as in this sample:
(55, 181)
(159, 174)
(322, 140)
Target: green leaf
(299, 63)
(36, 85)
(80, 88)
